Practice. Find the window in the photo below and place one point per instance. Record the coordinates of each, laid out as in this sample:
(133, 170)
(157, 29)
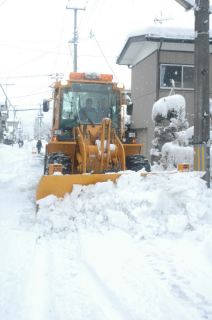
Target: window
(183, 76)
(73, 103)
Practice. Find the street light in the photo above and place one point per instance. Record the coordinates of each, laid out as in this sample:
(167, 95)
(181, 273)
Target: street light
(187, 4)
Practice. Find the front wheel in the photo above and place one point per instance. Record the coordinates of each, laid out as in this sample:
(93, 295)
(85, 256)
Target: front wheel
(58, 158)
(137, 162)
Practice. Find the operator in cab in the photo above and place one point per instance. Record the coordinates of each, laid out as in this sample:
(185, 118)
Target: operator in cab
(104, 109)
(88, 113)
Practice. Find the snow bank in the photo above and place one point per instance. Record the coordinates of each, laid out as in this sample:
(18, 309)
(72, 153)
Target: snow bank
(142, 207)
(174, 154)
(164, 105)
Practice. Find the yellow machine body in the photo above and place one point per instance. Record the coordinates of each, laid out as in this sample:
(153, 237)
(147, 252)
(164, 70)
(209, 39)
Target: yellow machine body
(94, 149)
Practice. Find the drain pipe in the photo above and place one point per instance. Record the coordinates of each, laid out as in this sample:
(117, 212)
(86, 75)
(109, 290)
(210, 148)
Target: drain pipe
(158, 69)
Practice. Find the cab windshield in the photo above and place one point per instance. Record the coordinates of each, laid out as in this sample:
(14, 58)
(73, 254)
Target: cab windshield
(88, 103)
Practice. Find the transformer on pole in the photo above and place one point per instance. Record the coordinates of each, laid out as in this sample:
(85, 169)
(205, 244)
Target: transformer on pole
(75, 39)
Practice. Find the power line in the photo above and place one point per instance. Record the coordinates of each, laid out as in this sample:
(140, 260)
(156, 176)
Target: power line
(3, 3)
(28, 76)
(60, 40)
(29, 61)
(93, 36)
(83, 14)
(26, 109)
(33, 94)
(6, 96)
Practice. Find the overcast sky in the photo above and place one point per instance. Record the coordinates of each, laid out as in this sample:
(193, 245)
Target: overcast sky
(35, 34)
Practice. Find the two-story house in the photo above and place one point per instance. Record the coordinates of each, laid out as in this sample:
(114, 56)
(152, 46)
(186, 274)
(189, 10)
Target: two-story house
(157, 55)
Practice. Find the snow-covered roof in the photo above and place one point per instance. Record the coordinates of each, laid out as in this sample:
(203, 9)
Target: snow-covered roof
(147, 40)
(164, 32)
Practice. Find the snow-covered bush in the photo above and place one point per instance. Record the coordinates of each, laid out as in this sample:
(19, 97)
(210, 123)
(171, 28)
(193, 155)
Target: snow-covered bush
(178, 151)
(173, 154)
(168, 114)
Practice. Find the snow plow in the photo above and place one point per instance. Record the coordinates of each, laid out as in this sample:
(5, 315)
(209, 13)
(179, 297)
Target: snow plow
(91, 140)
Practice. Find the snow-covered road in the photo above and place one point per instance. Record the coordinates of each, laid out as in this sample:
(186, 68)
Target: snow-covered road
(140, 249)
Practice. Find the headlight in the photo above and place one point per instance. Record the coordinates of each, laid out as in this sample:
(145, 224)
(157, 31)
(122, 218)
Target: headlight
(120, 85)
(64, 82)
(57, 132)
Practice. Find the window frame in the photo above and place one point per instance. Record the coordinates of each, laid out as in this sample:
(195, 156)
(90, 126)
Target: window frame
(182, 72)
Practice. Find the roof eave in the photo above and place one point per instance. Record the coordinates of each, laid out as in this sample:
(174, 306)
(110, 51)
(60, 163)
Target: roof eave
(146, 37)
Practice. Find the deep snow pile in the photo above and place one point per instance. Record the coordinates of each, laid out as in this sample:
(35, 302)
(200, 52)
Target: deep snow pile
(143, 207)
(138, 249)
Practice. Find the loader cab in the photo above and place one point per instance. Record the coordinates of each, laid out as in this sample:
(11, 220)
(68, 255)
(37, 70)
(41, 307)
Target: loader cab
(75, 110)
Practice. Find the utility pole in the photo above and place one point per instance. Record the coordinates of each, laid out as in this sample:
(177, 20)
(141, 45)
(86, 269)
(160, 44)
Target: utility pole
(201, 85)
(40, 116)
(7, 84)
(75, 39)
(57, 76)
(201, 90)
(14, 112)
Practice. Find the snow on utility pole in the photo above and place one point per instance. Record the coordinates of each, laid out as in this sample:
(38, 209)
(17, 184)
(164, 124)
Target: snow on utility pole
(40, 116)
(201, 85)
(75, 39)
(201, 90)
(14, 112)
(57, 76)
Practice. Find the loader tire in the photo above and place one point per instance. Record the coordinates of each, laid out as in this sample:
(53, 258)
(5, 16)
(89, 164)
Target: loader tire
(60, 158)
(45, 165)
(137, 162)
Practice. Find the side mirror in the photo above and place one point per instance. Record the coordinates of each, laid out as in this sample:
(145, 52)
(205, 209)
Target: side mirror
(45, 105)
(130, 109)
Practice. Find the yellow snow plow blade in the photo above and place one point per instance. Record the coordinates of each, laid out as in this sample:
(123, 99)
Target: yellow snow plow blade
(59, 185)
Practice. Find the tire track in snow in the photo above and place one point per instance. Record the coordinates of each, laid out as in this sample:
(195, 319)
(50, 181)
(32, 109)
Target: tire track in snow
(123, 273)
(39, 303)
(105, 298)
(184, 271)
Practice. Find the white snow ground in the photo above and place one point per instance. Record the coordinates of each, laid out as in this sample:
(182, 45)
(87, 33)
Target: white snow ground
(138, 249)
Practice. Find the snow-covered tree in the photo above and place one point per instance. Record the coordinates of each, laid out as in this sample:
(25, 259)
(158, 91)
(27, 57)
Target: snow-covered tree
(168, 114)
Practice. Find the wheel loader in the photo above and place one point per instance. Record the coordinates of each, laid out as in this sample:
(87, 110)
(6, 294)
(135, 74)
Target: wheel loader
(91, 138)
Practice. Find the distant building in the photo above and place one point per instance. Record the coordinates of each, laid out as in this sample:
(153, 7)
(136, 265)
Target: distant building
(12, 124)
(3, 118)
(157, 55)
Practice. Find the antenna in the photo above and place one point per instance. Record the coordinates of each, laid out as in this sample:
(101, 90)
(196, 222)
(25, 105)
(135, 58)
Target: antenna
(161, 20)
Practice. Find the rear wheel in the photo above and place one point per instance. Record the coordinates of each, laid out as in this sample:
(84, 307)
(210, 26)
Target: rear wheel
(58, 158)
(137, 162)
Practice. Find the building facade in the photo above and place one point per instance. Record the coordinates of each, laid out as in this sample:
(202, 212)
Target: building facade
(157, 57)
